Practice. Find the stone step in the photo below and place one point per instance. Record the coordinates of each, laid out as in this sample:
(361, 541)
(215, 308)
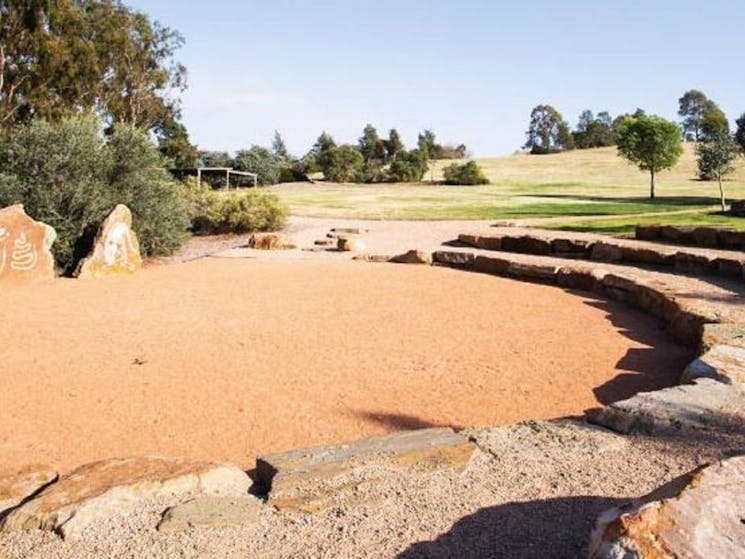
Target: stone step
(704, 404)
(607, 249)
(314, 479)
(725, 238)
(724, 363)
(684, 304)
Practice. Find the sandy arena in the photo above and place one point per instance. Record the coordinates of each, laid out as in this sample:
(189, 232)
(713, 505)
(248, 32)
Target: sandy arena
(224, 359)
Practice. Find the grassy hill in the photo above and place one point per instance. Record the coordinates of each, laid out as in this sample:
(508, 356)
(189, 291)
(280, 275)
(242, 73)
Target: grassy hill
(574, 184)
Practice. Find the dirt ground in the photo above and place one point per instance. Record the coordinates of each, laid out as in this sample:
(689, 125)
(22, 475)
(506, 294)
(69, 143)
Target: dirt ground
(224, 359)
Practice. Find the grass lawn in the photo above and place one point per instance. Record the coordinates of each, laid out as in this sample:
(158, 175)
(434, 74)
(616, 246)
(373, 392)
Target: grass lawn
(625, 226)
(574, 184)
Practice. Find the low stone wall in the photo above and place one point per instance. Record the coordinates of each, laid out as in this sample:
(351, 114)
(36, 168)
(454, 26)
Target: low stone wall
(614, 251)
(724, 238)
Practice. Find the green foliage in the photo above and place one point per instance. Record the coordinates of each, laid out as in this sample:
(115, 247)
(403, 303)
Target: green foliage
(174, 145)
(233, 212)
(427, 144)
(394, 144)
(215, 159)
(714, 124)
(693, 107)
(464, 174)
(342, 164)
(651, 142)
(548, 131)
(594, 132)
(59, 57)
(716, 158)
(373, 153)
(279, 149)
(407, 166)
(740, 132)
(68, 176)
(261, 161)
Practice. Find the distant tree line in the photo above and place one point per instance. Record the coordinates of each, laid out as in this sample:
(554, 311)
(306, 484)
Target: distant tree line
(650, 141)
(372, 159)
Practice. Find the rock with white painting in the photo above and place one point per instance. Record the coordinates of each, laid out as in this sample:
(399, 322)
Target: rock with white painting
(116, 250)
(25, 244)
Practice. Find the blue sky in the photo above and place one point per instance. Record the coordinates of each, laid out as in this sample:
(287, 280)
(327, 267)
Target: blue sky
(470, 69)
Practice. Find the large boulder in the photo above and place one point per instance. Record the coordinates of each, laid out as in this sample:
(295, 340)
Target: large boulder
(116, 250)
(18, 484)
(697, 515)
(102, 489)
(315, 479)
(25, 244)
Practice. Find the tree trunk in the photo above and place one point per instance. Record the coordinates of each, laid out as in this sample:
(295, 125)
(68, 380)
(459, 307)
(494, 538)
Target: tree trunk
(651, 184)
(721, 194)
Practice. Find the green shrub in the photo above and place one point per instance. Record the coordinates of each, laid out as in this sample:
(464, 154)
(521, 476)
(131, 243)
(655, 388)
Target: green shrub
(408, 166)
(68, 175)
(261, 161)
(464, 174)
(215, 213)
(342, 164)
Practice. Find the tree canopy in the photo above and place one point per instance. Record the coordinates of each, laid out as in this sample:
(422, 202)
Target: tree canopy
(694, 106)
(548, 131)
(652, 142)
(57, 58)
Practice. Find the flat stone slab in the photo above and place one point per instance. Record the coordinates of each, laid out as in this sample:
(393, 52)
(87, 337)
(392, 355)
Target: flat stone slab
(697, 515)
(211, 512)
(532, 439)
(116, 250)
(724, 363)
(18, 485)
(101, 489)
(412, 257)
(313, 479)
(25, 248)
(705, 404)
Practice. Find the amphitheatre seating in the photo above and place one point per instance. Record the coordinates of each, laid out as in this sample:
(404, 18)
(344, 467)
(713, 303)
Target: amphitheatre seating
(607, 249)
(725, 238)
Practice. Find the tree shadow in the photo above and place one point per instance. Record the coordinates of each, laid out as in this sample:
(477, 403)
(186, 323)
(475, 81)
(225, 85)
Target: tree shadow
(555, 528)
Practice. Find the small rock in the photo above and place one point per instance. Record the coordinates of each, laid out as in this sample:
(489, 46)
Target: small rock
(25, 244)
(116, 250)
(376, 258)
(350, 245)
(211, 512)
(699, 514)
(412, 257)
(268, 241)
(17, 485)
(723, 363)
(102, 489)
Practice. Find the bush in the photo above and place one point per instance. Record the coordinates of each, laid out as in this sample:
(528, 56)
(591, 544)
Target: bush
(408, 166)
(67, 175)
(215, 213)
(261, 161)
(342, 164)
(465, 174)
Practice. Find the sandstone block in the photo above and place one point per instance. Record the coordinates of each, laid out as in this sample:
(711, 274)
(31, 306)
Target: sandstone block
(696, 263)
(706, 237)
(723, 363)
(25, 244)
(648, 232)
(732, 239)
(606, 252)
(269, 241)
(587, 280)
(537, 272)
(211, 512)
(571, 247)
(705, 404)
(313, 479)
(491, 265)
(17, 485)
(116, 250)
(492, 242)
(412, 257)
(696, 515)
(101, 489)
(526, 244)
(453, 258)
(722, 334)
(675, 234)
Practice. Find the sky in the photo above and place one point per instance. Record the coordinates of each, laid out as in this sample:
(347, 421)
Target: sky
(471, 70)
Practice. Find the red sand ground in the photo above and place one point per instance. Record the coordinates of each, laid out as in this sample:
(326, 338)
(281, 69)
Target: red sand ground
(224, 359)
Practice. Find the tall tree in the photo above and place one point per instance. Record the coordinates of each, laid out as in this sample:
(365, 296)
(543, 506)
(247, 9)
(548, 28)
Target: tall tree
(427, 144)
(693, 107)
(174, 144)
(57, 57)
(394, 144)
(373, 153)
(716, 158)
(279, 148)
(652, 142)
(713, 124)
(548, 131)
